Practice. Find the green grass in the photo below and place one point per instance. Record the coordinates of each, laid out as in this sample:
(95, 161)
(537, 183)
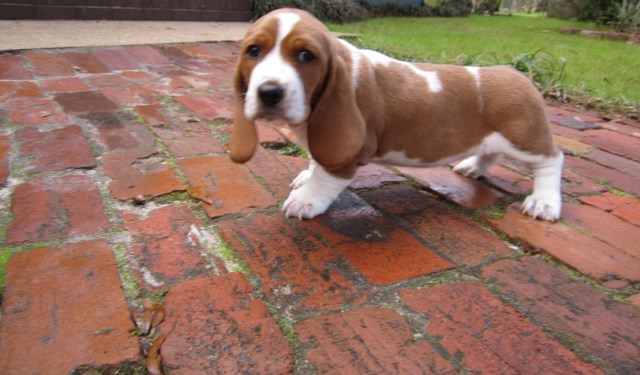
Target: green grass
(604, 70)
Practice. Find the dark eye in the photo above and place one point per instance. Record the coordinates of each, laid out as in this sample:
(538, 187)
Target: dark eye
(254, 51)
(305, 56)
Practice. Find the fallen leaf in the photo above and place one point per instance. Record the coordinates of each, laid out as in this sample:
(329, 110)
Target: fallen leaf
(151, 315)
(200, 194)
(154, 359)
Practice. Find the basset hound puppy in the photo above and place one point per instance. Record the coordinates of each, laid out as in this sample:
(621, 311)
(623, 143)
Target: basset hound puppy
(349, 107)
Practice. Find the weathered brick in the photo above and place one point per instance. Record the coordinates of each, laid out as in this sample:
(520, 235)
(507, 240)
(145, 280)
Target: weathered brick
(49, 64)
(602, 175)
(580, 251)
(277, 171)
(487, 335)
(609, 330)
(85, 102)
(455, 236)
(147, 55)
(139, 173)
(374, 175)
(64, 308)
(19, 89)
(368, 341)
(508, 180)
(106, 80)
(627, 166)
(152, 115)
(166, 246)
(464, 191)
(229, 186)
(381, 251)
(626, 208)
(119, 131)
(69, 84)
(571, 146)
(85, 62)
(116, 59)
(215, 326)
(5, 154)
(56, 207)
(174, 53)
(208, 107)
(188, 138)
(299, 273)
(127, 95)
(616, 143)
(35, 111)
(604, 226)
(55, 150)
(13, 67)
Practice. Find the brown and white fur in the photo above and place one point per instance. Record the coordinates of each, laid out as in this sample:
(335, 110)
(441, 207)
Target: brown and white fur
(349, 107)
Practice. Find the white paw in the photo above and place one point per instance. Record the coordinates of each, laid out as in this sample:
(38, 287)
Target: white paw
(303, 203)
(470, 167)
(301, 179)
(543, 206)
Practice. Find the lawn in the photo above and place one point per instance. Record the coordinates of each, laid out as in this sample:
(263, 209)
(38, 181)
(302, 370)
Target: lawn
(601, 69)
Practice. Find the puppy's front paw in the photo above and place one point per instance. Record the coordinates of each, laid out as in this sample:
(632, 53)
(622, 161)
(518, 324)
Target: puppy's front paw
(303, 203)
(301, 179)
(546, 207)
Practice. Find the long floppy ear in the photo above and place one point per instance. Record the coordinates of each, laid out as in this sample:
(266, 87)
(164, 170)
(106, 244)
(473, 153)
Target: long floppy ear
(336, 129)
(244, 138)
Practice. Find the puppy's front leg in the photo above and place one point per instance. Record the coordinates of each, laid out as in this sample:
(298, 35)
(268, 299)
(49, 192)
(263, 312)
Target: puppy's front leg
(314, 192)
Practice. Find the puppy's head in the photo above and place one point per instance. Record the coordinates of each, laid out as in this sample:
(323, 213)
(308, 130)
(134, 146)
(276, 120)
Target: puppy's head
(290, 71)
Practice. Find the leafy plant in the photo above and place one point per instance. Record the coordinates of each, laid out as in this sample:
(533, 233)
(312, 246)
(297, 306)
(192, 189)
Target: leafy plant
(626, 15)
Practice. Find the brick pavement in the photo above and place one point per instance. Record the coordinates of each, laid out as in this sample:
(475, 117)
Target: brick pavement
(130, 241)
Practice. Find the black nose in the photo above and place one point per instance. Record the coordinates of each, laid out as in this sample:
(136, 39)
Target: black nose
(270, 93)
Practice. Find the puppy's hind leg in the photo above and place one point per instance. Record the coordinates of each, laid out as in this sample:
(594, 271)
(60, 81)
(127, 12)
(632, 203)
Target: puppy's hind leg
(476, 166)
(546, 200)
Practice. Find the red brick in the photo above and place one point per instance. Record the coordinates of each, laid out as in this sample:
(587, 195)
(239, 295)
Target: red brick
(381, 251)
(626, 208)
(208, 107)
(174, 53)
(152, 115)
(603, 175)
(70, 84)
(13, 67)
(608, 330)
(135, 173)
(55, 150)
(374, 175)
(166, 87)
(199, 51)
(63, 308)
(85, 62)
(508, 180)
(619, 163)
(166, 246)
(147, 55)
(198, 67)
(564, 242)
(571, 146)
(455, 236)
(138, 75)
(215, 326)
(5, 155)
(299, 273)
(49, 64)
(635, 300)
(368, 341)
(188, 138)
(116, 59)
(19, 89)
(127, 95)
(229, 186)
(195, 81)
(613, 142)
(487, 335)
(464, 191)
(576, 184)
(117, 131)
(85, 102)
(604, 226)
(622, 126)
(35, 111)
(56, 207)
(277, 171)
(105, 80)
